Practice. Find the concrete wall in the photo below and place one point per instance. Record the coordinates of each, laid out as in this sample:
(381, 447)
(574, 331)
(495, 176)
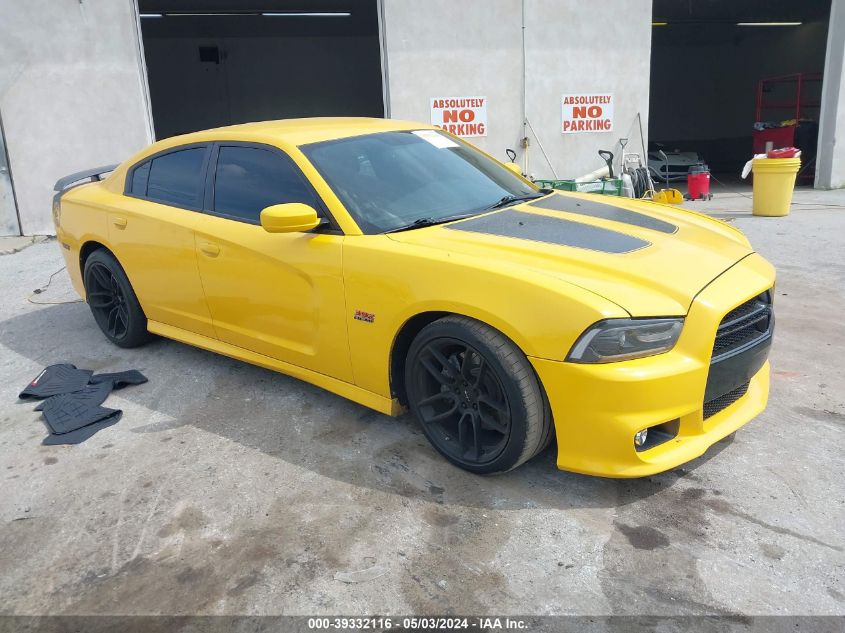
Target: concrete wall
(71, 93)
(600, 46)
(830, 172)
(443, 48)
(474, 48)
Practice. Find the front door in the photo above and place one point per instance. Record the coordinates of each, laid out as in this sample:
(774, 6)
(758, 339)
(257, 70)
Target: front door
(276, 294)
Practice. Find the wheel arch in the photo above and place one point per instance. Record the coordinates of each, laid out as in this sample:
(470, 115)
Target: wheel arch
(402, 343)
(408, 332)
(87, 249)
(538, 433)
(91, 246)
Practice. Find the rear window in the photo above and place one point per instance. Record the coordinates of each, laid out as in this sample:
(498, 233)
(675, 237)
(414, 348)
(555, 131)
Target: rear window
(177, 178)
(139, 180)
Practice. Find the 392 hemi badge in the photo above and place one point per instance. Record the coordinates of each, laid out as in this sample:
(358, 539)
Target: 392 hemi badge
(366, 317)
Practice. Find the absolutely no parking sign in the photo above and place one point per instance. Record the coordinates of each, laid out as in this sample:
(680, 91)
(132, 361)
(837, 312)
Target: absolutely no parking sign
(586, 112)
(462, 116)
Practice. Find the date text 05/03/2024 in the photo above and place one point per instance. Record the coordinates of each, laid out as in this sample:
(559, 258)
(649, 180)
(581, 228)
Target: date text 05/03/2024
(417, 623)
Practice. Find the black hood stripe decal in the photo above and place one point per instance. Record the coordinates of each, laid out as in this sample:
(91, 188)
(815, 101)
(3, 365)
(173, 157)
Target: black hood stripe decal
(543, 228)
(595, 209)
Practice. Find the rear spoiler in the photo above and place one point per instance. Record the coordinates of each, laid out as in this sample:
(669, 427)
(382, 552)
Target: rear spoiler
(90, 175)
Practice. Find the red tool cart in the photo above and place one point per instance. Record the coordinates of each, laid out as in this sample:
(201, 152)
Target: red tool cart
(788, 97)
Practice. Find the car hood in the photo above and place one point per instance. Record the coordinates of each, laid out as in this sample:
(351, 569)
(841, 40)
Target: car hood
(650, 259)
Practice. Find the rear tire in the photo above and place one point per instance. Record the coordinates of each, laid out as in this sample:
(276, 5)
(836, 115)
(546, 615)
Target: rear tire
(113, 302)
(476, 396)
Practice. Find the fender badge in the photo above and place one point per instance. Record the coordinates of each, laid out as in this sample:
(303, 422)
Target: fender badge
(366, 317)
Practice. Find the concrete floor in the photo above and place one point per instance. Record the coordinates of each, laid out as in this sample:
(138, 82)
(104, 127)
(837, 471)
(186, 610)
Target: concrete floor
(228, 489)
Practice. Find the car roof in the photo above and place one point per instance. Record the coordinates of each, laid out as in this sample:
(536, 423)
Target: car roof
(296, 131)
(292, 132)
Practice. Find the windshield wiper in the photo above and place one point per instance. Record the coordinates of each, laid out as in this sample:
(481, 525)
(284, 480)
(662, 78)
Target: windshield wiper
(511, 199)
(421, 223)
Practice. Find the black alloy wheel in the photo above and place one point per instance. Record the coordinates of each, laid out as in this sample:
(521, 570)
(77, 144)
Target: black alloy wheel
(112, 300)
(476, 396)
(461, 401)
(107, 301)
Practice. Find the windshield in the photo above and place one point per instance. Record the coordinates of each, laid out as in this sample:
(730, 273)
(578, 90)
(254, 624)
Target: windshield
(390, 180)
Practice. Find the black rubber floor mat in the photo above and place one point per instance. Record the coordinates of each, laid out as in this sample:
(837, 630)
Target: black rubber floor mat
(56, 379)
(92, 395)
(121, 379)
(72, 399)
(80, 435)
(68, 412)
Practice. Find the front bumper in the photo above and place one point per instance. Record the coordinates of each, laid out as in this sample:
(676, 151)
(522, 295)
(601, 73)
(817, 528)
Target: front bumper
(597, 409)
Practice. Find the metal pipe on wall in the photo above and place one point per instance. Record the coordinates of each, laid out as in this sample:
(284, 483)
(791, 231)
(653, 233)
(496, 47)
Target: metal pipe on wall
(524, 142)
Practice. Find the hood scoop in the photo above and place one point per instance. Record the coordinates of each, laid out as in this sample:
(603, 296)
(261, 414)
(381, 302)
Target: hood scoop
(541, 228)
(603, 211)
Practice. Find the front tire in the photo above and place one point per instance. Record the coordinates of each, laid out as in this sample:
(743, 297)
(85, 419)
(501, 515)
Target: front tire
(476, 396)
(113, 302)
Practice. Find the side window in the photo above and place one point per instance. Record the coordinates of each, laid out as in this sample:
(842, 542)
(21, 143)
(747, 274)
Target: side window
(248, 179)
(176, 178)
(139, 180)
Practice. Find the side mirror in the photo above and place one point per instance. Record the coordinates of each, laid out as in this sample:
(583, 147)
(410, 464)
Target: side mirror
(514, 168)
(293, 217)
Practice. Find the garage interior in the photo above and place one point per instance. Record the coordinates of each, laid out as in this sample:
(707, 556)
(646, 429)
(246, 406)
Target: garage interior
(707, 60)
(212, 63)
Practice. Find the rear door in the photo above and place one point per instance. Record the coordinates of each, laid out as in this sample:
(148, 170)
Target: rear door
(152, 235)
(277, 294)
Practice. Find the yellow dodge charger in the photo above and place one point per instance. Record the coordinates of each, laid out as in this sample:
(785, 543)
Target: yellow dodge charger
(398, 266)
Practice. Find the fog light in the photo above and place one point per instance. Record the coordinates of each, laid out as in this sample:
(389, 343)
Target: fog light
(640, 437)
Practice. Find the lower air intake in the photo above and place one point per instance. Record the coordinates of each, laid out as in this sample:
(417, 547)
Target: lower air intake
(712, 407)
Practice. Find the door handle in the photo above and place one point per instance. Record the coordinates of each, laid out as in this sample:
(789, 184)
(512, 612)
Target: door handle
(212, 250)
(119, 222)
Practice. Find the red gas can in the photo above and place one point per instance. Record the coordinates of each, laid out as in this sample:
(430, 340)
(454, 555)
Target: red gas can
(698, 183)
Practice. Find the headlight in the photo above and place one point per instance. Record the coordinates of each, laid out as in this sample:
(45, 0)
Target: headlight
(623, 339)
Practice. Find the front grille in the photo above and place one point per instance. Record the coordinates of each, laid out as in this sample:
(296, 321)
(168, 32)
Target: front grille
(715, 405)
(744, 326)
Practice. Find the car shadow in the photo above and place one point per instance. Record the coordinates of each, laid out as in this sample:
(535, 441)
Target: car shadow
(305, 425)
